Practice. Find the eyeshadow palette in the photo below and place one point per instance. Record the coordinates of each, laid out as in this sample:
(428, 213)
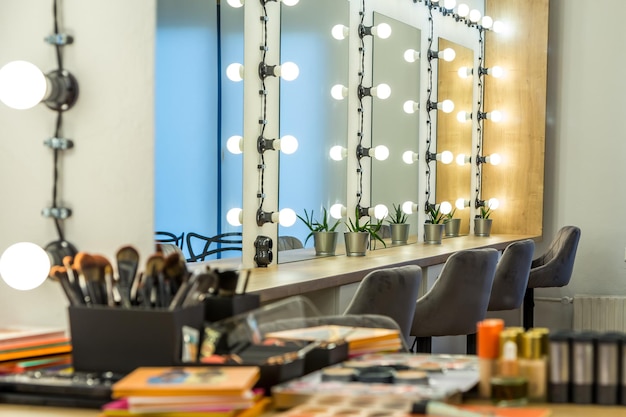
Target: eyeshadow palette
(365, 406)
(392, 375)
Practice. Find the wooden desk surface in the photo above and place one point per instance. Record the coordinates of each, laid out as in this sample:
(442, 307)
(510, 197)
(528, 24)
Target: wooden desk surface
(296, 278)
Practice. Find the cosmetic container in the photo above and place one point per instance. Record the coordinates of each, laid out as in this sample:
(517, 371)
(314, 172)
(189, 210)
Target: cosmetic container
(534, 366)
(508, 364)
(559, 371)
(583, 367)
(607, 368)
(488, 349)
(622, 369)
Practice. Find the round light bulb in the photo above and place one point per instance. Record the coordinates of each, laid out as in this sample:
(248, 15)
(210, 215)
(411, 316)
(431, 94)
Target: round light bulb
(495, 159)
(380, 152)
(383, 31)
(337, 211)
(447, 106)
(234, 72)
(288, 144)
(449, 54)
(339, 32)
(445, 207)
(380, 211)
(460, 203)
(464, 72)
(287, 217)
(235, 3)
(499, 27)
(337, 153)
(234, 144)
(22, 85)
(289, 71)
(24, 266)
(446, 157)
(410, 106)
(461, 159)
(382, 91)
(474, 15)
(338, 92)
(486, 22)
(409, 157)
(463, 116)
(290, 2)
(411, 55)
(463, 10)
(409, 207)
(493, 203)
(234, 216)
(496, 71)
(449, 4)
(495, 116)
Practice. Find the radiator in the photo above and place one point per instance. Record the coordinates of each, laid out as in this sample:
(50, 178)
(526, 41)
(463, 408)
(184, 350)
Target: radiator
(600, 313)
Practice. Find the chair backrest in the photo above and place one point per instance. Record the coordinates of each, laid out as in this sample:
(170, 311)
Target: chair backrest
(289, 242)
(230, 241)
(169, 237)
(511, 277)
(390, 292)
(554, 268)
(459, 297)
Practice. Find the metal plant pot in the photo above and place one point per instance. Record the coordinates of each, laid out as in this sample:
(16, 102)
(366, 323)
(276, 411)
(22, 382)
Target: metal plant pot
(356, 243)
(433, 233)
(453, 227)
(325, 243)
(482, 227)
(399, 233)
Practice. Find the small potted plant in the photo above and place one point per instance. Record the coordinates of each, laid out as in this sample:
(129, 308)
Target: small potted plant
(399, 226)
(324, 234)
(482, 222)
(434, 226)
(359, 234)
(453, 226)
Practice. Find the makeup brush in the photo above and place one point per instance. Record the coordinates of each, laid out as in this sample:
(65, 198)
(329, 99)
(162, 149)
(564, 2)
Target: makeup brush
(148, 288)
(127, 259)
(72, 275)
(80, 278)
(175, 271)
(59, 274)
(93, 275)
(107, 272)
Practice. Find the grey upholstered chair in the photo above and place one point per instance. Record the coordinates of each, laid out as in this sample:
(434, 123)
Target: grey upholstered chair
(390, 292)
(511, 277)
(552, 269)
(457, 300)
(289, 242)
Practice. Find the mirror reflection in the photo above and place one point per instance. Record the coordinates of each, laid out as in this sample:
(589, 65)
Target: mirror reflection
(309, 179)
(454, 130)
(395, 121)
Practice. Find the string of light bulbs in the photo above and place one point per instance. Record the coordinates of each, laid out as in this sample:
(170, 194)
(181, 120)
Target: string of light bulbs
(429, 92)
(359, 170)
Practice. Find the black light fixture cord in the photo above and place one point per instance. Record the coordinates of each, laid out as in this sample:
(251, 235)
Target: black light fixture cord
(359, 171)
(429, 92)
(479, 125)
(263, 120)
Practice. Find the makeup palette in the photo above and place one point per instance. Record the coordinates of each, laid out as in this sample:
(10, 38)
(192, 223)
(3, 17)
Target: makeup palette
(393, 375)
(365, 406)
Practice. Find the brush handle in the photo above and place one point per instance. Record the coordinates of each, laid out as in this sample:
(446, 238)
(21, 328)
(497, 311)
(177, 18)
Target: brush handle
(126, 271)
(73, 297)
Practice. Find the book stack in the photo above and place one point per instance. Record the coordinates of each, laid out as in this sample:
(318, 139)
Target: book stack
(360, 340)
(203, 391)
(29, 348)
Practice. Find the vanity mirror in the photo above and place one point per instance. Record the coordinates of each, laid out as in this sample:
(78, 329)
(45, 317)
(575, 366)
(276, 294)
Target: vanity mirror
(309, 178)
(395, 120)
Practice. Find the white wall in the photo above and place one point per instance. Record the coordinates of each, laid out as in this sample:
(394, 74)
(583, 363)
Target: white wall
(107, 179)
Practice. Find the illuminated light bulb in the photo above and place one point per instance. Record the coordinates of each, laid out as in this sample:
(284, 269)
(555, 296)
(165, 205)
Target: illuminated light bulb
(486, 22)
(234, 216)
(465, 72)
(383, 30)
(409, 207)
(447, 106)
(234, 144)
(462, 159)
(499, 27)
(288, 144)
(495, 116)
(411, 55)
(288, 71)
(496, 71)
(380, 152)
(339, 92)
(235, 3)
(382, 91)
(337, 211)
(379, 211)
(234, 72)
(463, 116)
(409, 157)
(446, 157)
(22, 85)
(287, 217)
(474, 15)
(410, 106)
(461, 203)
(338, 153)
(463, 10)
(340, 32)
(493, 203)
(449, 4)
(24, 266)
(445, 207)
(290, 2)
(493, 159)
(449, 54)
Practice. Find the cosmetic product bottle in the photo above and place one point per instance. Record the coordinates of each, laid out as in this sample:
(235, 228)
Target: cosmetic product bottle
(508, 364)
(583, 367)
(607, 368)
(559, 367)
(488, 349)
(508, 388)
(534, 366)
